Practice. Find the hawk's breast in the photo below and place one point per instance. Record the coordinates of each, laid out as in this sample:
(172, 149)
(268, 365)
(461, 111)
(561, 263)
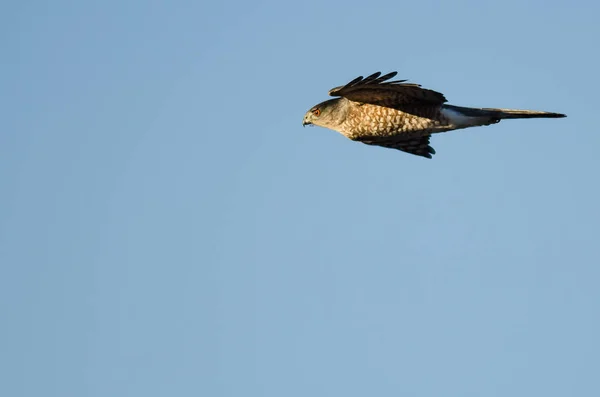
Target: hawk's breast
(373, 120)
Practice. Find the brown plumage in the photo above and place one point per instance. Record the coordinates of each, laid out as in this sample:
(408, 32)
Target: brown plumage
(400, 115)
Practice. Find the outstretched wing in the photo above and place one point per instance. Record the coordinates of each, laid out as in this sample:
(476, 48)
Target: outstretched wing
(419, 146)
(375, 90)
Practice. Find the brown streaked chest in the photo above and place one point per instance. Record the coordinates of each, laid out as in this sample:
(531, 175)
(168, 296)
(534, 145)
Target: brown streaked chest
(373, 120)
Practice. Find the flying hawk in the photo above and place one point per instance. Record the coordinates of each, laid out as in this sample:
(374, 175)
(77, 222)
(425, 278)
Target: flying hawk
(400, 115)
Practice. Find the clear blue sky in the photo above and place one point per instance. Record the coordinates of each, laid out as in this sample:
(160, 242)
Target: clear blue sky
(168, 228)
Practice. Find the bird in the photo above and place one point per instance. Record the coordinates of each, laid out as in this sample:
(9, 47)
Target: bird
(400, 115)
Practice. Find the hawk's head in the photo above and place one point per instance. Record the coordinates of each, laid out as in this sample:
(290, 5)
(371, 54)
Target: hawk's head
(328, 114)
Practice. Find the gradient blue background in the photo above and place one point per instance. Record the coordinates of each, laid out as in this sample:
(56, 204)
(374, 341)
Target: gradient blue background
(168, 228)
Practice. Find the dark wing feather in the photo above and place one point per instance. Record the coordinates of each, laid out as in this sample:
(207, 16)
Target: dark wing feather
(419, 146)
(375, 90)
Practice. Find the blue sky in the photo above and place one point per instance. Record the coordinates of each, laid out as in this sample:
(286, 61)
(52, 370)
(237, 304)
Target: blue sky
(167, 227)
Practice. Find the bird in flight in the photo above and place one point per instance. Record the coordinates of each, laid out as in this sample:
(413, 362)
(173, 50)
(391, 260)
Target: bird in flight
(400, 115)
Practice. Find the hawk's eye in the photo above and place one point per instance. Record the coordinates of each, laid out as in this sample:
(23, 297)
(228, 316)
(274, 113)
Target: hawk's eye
(316, 112)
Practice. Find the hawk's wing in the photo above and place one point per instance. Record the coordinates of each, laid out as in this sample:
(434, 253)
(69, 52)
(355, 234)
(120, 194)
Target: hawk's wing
(418, 146)
(393, 94)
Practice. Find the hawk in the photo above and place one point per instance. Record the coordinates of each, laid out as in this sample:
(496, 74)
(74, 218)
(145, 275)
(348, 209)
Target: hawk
(400, 115)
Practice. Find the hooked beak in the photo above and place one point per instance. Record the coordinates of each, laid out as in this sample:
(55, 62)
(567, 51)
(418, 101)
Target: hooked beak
(306, 121)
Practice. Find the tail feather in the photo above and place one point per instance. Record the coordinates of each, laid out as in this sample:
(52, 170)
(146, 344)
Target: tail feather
(520, 114)
(500, 114)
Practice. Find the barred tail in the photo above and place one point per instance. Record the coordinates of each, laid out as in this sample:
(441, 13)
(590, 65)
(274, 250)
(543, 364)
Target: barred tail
(500, 114)
(520, 114)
